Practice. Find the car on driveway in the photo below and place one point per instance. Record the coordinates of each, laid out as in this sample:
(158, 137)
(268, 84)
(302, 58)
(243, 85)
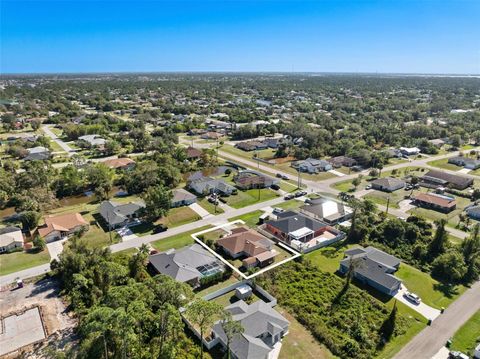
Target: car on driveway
(275, 187)
(277, 210)
(289, 196)
(412, 297)
(285, 178)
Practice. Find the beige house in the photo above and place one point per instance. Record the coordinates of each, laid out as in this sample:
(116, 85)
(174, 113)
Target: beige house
(10, 238)
(64, 225)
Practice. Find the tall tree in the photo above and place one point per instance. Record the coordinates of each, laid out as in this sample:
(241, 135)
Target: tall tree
(231, 328)
(203, 314)
(157, 202)
(439, 243)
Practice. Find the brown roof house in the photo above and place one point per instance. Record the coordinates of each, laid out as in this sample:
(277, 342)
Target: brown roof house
(61, 226)
(436, 201)
(193, 153)
(256, 249)
(436, 179)
(123, 163)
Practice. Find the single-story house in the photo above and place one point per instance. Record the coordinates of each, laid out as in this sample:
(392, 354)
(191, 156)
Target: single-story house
(37, 153)
(263, 327)
(272, 142)
(473, 212)
(327, 210)
(61, 226)
(10, 238)
(211, 136)
(182, 197)
(437, 142)
(248, 179)
(302, 232)
(208, 185)
(476, 353)
(193, 153)
(256, 249)
(119, 214)
(388, 184)
(342, 161)
(409, 151)
(92, 140)
(435, 178)
(466, 162)
(187, 265)
(312, 165)
(373, 267)
(250, 145)
(122, 163)
(435, 201)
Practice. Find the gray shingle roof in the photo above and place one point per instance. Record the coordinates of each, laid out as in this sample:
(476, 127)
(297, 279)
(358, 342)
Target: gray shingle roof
(290, 221)
(116, 213)
(183, 264)
(256, 319)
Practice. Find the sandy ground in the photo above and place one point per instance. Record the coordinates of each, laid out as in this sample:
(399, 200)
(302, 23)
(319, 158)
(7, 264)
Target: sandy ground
(44, 294)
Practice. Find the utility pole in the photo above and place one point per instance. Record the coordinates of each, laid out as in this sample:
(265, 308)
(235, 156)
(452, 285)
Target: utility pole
(299, 180)
(388, 204)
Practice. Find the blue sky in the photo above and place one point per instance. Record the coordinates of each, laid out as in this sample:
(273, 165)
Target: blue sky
(427, 36)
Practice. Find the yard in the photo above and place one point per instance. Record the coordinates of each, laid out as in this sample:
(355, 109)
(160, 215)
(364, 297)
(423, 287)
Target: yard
(17, 261)
(230, 298)
(250, 219)
(249, 197)
(300, 343)
(432, 292)
(176, 217)
(217, 286)
(210, 207)
(177, 241)
(443, 163)
(468, 336)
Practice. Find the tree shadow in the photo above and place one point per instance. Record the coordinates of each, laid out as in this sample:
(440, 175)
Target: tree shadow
(448, 290)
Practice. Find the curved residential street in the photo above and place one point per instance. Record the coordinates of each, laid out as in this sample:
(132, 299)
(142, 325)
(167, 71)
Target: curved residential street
(430, 340)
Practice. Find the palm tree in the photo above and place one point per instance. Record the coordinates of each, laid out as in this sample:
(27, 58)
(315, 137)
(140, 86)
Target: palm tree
(231, 328)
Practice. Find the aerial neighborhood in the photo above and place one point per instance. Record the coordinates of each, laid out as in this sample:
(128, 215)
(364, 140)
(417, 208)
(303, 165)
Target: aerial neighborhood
(247, 216)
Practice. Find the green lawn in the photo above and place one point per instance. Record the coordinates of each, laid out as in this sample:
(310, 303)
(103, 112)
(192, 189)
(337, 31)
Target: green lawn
(291, 204)
(176, 217)
(14, 262)
(249, 197)
(432, 292)
(209, 206)
(251, 219)
(217, 286)
(176, 241)
(300, 343)
(467, 337)
(443, 163)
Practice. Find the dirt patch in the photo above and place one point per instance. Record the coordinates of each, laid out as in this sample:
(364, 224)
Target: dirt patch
(44, 294)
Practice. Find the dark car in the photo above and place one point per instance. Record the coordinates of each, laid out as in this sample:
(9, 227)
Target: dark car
(298, 194)
(276, 187)
(159, 229)
(289, 196)
(279, 175)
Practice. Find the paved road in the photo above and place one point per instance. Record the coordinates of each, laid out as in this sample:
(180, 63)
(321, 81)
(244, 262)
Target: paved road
(430, 340)
(24, 274)
(55, 138)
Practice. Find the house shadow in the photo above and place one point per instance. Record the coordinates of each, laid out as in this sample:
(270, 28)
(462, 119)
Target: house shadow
(100, 221)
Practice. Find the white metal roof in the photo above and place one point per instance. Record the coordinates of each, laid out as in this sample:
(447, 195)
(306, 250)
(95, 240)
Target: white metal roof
(301, 232)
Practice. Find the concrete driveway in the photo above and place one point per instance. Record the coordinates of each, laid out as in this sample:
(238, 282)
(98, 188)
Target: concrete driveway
(199, 210)
(55, 248)
(405, 205)
(425, 310)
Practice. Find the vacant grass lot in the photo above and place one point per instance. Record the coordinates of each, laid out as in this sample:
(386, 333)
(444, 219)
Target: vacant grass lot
(249, 197)
(443, 163)
(251, 219)
(209, 206)
(467, 337)
(14, 262)
(176, 217)
(177, 241)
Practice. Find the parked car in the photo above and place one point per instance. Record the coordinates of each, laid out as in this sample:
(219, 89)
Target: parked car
(297, 194)
(277, 210)
(412, 297)
(304, 193)
(279, 175)
(285, 178)
(457, 355)
(276, 187)
(369, 186)
(289, 196)
(159, 229)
